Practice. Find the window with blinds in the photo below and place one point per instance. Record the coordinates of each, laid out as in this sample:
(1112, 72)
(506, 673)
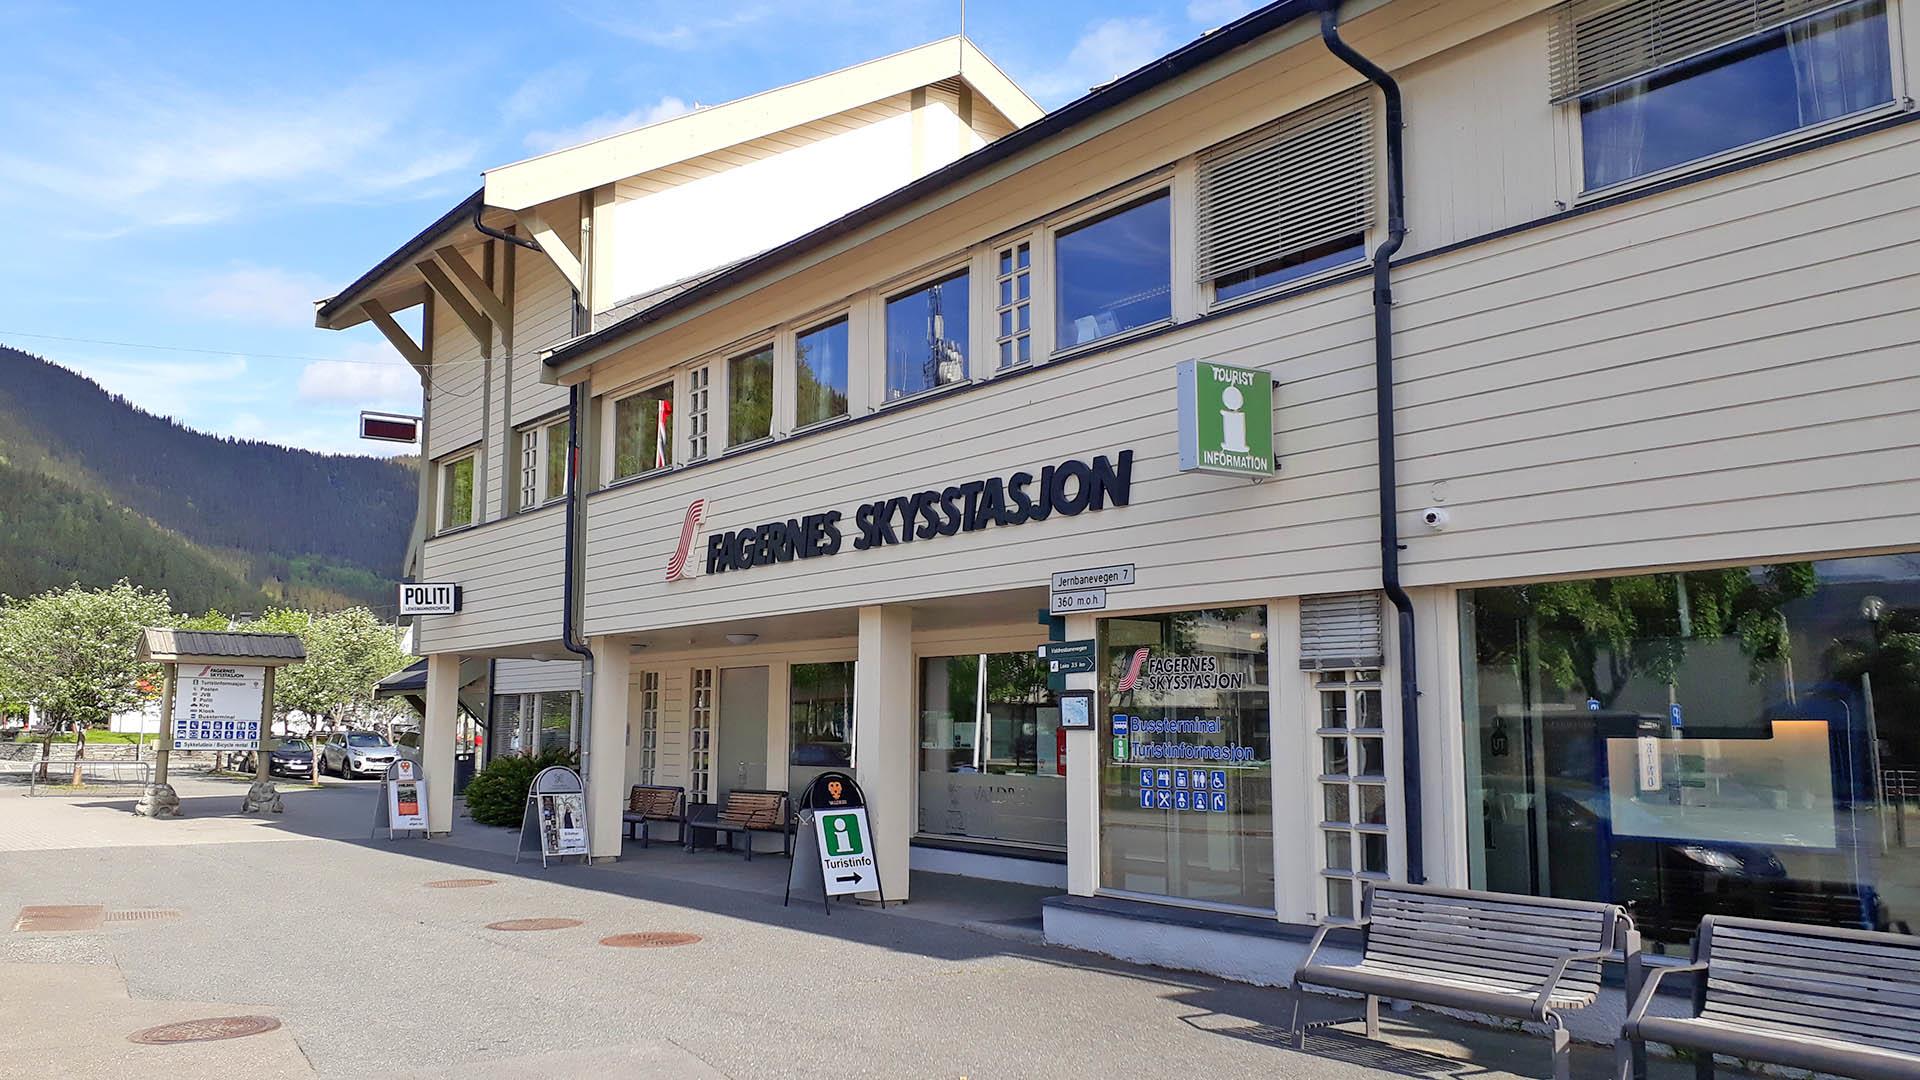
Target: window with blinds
(1595, 44)
(1289, 199)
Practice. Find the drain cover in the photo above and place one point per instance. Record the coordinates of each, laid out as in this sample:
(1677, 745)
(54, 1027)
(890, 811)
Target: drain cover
(650, 939)
(534, 924)
(142, 916)
(460, 883)
(211, 1029)
(60, 917)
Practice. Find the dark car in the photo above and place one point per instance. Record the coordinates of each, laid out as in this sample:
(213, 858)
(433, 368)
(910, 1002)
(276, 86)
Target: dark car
(287, 757)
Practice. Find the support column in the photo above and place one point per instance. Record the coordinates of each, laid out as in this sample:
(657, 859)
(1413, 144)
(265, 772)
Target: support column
(884, 738)
(1083, 779)
(605, 761)
(437, 738)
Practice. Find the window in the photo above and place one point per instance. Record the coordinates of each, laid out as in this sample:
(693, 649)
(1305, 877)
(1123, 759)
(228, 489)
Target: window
(927, 337)
(505, 734)
(1287, 201)
(820, 719)
(543, 463)
(1741, 740)
(1658, 88)
(643, 431)
(820, 364)
(456, 492)
(1114, 273)
(700, 738)
(699, 392)
(750, 397)
(557, 722)
(991, 762)
(1013, 304)
(649, 726)
(1186, 804)
(1353, 787)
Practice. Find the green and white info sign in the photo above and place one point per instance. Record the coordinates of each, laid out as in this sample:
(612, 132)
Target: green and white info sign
(1226, 419)
(846, 851)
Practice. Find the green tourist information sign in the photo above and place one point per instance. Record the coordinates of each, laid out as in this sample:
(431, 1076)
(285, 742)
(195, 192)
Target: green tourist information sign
(1226, 419)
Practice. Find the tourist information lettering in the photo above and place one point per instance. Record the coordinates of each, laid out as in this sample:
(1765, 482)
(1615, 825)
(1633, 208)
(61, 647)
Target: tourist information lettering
(846, 851)
(217, 707)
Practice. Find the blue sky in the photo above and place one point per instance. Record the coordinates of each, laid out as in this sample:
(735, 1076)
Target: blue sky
(195, 175)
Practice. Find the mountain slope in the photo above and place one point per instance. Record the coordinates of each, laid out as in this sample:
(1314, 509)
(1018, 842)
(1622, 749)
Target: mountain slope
(291, 525)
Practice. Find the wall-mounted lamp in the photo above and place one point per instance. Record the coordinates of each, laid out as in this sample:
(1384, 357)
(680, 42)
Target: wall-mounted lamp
(742, 639)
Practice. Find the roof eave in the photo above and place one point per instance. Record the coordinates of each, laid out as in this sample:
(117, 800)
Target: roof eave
(343, 309)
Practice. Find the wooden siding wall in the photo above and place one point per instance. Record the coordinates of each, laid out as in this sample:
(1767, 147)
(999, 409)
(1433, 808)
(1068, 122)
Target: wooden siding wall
(512, 676)
(511, 571)
(542, 318)
(456, 388)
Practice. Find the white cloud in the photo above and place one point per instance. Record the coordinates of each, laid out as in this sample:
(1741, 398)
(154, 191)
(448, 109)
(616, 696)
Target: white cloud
(609, 124)
(542, 92)
(183, 389)
(1108, 49)
(1212, 13)
(264, 295)
(664, 26)
(368, 375)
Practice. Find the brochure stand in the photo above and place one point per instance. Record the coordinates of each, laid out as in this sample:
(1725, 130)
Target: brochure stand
(402, 805)
(554, 822)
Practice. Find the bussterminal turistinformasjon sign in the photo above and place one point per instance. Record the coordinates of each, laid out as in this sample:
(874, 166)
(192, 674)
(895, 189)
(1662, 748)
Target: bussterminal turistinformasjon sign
(1067, 489)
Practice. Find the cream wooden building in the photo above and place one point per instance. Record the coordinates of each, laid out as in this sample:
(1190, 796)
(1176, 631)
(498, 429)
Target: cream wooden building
(1651, 356)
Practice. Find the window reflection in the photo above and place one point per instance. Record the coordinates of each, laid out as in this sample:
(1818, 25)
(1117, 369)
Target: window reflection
(1743, 741)
(927, 337)
(820, 357)
(1114, 272)
(991, 761)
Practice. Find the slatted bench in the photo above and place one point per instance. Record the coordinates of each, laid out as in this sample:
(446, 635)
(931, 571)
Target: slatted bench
(1810, 997)
(1521, 957)
(648, 803)
(747, 811)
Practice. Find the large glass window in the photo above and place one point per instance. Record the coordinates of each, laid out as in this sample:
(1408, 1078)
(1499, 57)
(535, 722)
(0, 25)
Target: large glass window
(1819, 68)
(927, 337)
(505, 734)
(554, 484)
(1186, 795)
(819, 719)
(556, 722)
(992, 762)
(643, 431)
(1742, 741)
(820, 364)
(1114, 273)
(750, 396)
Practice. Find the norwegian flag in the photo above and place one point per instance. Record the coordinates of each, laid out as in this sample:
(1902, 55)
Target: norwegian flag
(677, 564)
(1131, 677)
(662, 433)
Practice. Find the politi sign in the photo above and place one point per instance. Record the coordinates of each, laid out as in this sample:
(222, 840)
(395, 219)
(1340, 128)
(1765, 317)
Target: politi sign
(1226, 419)
(429, 598)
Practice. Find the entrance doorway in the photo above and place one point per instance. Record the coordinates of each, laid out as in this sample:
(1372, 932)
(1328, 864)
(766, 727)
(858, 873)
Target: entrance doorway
(740, 760)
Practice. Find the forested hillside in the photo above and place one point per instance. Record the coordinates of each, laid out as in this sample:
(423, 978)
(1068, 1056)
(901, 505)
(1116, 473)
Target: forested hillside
(96, 488)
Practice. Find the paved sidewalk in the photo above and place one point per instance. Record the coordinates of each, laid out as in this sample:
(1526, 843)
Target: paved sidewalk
(371, 973)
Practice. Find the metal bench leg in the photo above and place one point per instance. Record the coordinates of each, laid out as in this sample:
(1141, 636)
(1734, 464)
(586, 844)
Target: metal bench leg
(1562, 1052)
(1623, 1059)
(1373, 1016)
(1297, 1034)
(644, 830)
(1703, 1066)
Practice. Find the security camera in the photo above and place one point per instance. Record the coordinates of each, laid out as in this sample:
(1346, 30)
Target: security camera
(1434, 517)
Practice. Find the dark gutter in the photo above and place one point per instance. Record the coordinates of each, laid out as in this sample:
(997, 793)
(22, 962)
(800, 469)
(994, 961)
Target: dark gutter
(469, 207)
(1383, 413)
(569, 635)
(485, 229)
(1242, 31)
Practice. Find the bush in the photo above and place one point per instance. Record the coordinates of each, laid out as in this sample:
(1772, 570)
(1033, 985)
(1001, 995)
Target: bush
(497, 795)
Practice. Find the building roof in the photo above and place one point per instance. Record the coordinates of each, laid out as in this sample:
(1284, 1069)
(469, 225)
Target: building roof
(1100, 100)
(325, 311)
(272, 650)
(409, 680)
(615, 157)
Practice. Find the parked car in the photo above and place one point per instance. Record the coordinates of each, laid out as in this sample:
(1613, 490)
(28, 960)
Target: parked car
(356, 753)
(407, 745)
(286, 757)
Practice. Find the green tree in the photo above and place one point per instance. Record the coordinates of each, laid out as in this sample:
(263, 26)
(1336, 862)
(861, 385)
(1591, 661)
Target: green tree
(72, 653)
(348, 653)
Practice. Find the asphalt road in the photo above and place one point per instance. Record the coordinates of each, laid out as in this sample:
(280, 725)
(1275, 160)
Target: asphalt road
(372, 973)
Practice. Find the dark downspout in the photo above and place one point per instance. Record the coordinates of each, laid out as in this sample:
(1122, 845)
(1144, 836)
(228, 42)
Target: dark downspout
(568, 635)
(1383, 410)
(480, 208)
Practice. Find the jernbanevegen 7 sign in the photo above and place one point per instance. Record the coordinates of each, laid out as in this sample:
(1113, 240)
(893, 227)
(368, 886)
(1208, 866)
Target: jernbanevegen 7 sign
(1226, 419)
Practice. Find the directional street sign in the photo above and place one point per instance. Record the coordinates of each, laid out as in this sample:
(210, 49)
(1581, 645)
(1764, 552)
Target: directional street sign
(1069, 657)
(846, 851)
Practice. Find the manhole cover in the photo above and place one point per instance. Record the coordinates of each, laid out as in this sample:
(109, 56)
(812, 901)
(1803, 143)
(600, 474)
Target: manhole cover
(460, 883)
(212, 1029)
(534, 924)
(142, 916)
(650, 939)
(60, 917)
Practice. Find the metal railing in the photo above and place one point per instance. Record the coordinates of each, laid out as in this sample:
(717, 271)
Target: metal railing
(59, 773)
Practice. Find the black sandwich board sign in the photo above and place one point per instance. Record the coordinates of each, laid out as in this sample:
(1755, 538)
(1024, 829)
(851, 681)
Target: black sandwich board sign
(843, 843)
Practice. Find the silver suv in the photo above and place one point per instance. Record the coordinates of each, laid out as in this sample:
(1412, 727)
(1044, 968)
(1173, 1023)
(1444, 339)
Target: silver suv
(356, 753)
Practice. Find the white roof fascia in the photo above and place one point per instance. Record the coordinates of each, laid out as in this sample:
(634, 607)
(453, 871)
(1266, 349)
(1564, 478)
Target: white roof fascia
(613, 158)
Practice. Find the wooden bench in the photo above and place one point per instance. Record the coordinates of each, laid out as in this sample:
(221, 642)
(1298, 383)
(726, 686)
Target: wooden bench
(1811, 997)
(747, 811)
(1521, 957)
(648, 803)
